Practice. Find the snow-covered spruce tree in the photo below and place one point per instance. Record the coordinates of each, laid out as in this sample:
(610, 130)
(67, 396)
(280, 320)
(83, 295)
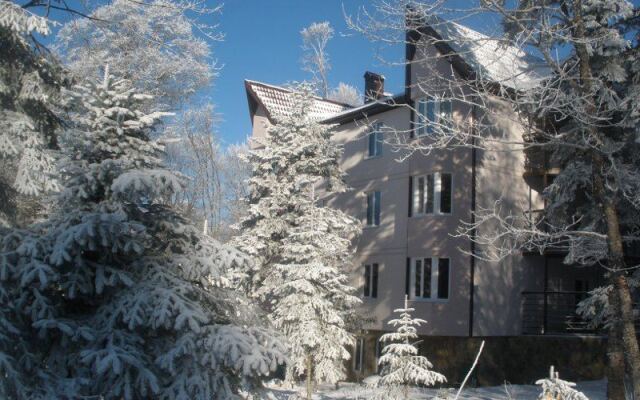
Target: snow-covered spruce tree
(29, 92)
(313, 293)
(115, 295)
(163, 48)
(401, 363)
(554, 388)
(301, 249)
(570, 78)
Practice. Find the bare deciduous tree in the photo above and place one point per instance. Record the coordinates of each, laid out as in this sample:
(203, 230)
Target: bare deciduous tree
(215, 192)
(236, 172)
(565, 73)
(315, 38)
(193, 150)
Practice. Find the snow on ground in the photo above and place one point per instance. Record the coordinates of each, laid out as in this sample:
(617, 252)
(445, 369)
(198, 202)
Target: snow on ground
(594, 390)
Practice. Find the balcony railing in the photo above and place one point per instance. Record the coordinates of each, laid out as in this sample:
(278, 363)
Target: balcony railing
(554, 313)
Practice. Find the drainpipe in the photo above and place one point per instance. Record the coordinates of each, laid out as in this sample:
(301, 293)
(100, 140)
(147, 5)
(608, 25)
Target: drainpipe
(472, 262)
(545, 297)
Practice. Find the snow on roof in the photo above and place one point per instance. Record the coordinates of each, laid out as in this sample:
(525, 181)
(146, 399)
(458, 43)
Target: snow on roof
(388, 100)
(279, 101)
(491, 58)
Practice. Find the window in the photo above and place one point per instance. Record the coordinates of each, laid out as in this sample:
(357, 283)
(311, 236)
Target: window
(426, 112)
(358, 358)
(371, 280)
(375, 139)
(373, 208)
(432, 111)
(430, 278)
(379, 347)
(432, 194)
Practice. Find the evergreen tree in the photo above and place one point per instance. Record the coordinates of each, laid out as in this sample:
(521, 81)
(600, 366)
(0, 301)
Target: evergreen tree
(115, 294)
(29, 94)
(313, 293)
(401, 364)
(301, 249)
(554, 388)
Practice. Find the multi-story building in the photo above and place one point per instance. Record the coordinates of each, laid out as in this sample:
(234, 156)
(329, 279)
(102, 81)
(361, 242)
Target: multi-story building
(411, 209)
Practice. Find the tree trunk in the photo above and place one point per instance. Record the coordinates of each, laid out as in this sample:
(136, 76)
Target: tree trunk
(309, 376)
(621, 308)
(615, 360)
(628, 332)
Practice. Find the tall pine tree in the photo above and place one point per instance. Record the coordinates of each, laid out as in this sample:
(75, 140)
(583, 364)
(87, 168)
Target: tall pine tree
(301, 249)
(116, 295)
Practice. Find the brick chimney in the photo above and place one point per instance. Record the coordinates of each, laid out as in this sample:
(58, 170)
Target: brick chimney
(373, 86)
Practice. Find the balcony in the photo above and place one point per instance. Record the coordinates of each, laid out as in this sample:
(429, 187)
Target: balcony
(554, 313)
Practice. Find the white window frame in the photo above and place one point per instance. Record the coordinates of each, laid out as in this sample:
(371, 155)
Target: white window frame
(375, 204)
(358, 358)
(437, 194)
(422, 123)
(376, 133)
(434, 280)
(371, 280)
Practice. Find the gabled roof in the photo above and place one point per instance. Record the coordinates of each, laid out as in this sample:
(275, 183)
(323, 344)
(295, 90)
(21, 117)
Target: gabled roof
(277, 100)
(487, 58)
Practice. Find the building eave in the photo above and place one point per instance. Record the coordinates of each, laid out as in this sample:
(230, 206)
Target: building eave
(367, 110)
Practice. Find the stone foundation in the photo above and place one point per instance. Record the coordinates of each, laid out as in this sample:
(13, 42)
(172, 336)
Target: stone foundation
(512, 359)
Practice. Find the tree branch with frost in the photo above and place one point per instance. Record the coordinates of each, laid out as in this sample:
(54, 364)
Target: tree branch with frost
(346, 94)
(500, 233)
(315, 60)
(153, 44)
